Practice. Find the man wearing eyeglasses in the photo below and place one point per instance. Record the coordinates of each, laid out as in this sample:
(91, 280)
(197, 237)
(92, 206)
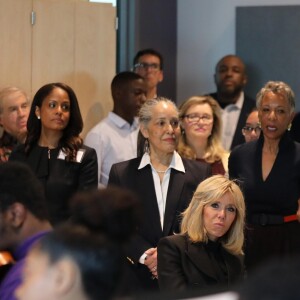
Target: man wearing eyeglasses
(230, 79)
(148, 63)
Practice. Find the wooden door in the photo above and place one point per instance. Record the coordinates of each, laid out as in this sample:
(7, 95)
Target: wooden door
(75, 42)
(15, 49)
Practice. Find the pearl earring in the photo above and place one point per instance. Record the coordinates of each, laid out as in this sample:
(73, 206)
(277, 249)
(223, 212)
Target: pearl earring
(39, 117)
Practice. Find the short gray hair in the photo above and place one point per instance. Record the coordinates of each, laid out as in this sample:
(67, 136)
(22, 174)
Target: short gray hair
(145, 113)
(7, 91)
(277, 87)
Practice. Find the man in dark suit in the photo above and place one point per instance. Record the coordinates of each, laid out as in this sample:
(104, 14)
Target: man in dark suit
(230, 78)
(180, 191)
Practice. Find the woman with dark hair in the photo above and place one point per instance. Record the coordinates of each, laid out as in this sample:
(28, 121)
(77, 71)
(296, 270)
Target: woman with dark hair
(55, 150)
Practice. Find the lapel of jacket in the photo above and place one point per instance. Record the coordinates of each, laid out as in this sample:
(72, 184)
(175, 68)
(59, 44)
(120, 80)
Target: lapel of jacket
(175, 188)
(199, 257)
(145, 184)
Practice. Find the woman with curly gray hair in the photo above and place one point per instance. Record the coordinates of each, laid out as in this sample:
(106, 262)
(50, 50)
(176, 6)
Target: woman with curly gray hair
(269, 171)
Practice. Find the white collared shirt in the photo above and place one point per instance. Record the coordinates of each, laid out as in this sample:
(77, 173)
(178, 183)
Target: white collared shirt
(230, 118)
(161, 188)
(114, 140)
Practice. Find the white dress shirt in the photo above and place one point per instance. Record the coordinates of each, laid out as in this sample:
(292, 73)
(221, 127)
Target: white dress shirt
(230, 118)
(114, 140)
(161, 188)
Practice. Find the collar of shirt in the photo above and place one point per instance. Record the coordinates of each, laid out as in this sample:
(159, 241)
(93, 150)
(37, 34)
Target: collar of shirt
(22, 249)
(176, 162)
(120, 122)
(237, 105)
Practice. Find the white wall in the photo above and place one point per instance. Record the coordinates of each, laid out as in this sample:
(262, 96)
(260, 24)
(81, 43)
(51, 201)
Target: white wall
(205, 33)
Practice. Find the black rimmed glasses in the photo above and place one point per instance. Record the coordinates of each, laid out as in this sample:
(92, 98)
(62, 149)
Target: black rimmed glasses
(195, 118)
(146, 66)
(249, 129)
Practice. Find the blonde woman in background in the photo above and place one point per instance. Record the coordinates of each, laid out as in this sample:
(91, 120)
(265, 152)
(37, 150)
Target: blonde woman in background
(201, 133)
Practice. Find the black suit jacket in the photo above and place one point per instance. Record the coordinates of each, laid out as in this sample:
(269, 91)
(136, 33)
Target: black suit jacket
(185, 265)
(60, 178)
(180, 191)
(247, 107)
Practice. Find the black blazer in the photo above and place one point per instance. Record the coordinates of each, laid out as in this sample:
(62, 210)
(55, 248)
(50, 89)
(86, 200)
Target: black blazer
(180, 191)
(247, 107)
(60, 178)
(185, 265)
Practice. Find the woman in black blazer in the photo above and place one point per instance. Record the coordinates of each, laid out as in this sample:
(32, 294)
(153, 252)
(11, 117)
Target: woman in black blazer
(206, 255)
(164, 182)
(55, 151)
(268, 170)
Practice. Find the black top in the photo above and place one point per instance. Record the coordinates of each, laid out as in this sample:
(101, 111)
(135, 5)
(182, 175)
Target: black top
(60, 178)
(279, 193)
(184, 265)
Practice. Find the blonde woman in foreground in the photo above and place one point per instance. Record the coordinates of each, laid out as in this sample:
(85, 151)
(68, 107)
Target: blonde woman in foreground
(207, 253)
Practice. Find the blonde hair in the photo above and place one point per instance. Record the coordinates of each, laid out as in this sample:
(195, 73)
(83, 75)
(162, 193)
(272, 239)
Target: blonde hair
(207, 192)
(214, 150)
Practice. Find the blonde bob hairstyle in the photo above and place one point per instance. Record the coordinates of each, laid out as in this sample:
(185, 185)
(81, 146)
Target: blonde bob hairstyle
(214, 150)
(208, 192)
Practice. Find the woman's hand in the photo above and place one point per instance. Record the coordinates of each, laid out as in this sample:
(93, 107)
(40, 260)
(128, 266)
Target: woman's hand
(151, 261)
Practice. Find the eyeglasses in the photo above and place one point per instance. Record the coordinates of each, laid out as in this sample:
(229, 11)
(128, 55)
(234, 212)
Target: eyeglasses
(144, 66)
(195, 118)
(249, 129)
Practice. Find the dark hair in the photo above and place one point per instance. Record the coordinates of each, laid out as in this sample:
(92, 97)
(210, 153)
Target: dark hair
(275, 279)
(123, 79)
(113, 210)
(70, 140)
(19, 184)
(102, 221)
(149, 51)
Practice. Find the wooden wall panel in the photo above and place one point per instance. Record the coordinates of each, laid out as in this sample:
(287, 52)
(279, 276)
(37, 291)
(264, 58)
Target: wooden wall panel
(72, 41)
(75, 42)
(15, 37)
(53, 42)
(95, 60)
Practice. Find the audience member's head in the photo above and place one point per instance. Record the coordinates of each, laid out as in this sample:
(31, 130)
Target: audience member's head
(275, 100)
(22, 205)
(201, 124)
(159, 125)
(83, 259)
(214, 195)
(14, 111)
(149, 64)
(129, 93)
(67, 123)
(230, 78)
(276, 280)
(251, 130)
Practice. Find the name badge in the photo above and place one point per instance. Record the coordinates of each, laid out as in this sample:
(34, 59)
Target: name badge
(79, 156)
